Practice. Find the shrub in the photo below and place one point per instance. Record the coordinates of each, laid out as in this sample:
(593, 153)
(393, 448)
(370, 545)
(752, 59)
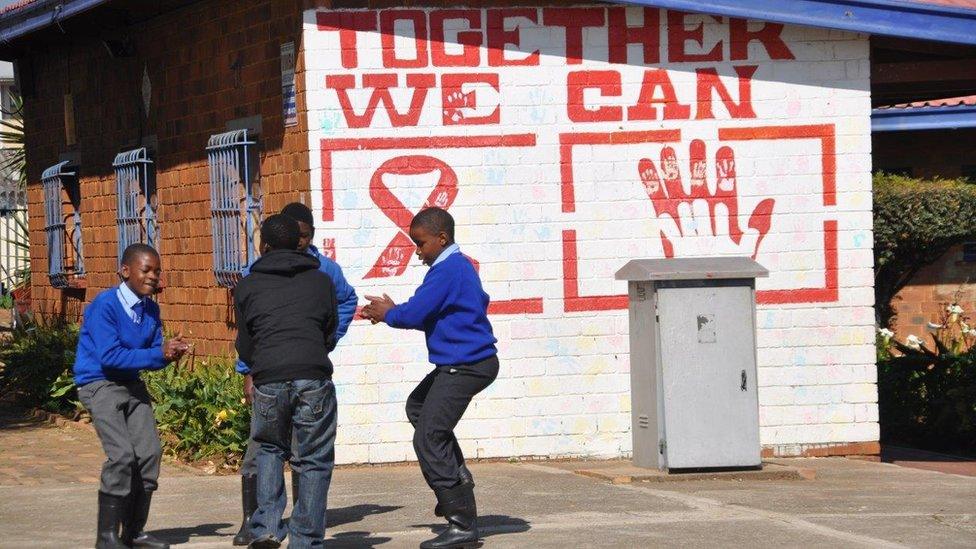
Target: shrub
(36, 366)
(198, 403)
(927, 394)
(200, 409)
(915, 223)
(933, 408)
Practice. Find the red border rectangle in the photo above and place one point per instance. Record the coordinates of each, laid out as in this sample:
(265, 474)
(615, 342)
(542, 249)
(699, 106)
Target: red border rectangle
(533, 305)
(574, 302)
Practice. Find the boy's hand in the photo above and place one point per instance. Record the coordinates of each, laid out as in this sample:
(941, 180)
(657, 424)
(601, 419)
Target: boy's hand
(174, 348)
(377, 308)
(248, 389)
(369, 313)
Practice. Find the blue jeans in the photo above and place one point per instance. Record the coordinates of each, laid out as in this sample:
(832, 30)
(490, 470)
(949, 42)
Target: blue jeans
(306, 408)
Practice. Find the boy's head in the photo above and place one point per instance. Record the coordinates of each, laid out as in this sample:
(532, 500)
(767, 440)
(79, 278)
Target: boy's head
(306, 224)
(431, 230)
(279, 232)
(140, 269)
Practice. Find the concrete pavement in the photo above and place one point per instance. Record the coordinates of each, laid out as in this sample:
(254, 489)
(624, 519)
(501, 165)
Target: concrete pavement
(538, 504)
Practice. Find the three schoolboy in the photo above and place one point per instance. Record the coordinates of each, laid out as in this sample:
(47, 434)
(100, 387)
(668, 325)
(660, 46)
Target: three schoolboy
(292, 388)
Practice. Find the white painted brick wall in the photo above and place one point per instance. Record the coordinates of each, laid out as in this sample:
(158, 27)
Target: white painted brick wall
(564, 384)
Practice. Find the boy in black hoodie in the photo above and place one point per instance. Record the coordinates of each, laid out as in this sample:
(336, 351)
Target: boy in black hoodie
(286, 325)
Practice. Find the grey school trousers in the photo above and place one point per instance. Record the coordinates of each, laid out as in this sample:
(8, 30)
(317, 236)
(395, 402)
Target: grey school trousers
(122, 414)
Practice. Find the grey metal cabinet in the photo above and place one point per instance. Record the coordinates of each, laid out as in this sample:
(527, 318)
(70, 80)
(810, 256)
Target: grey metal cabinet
(693, 362)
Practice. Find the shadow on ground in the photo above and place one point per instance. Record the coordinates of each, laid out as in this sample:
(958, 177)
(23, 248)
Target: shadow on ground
(13, 418)
(356, 513)
(489, 525)
(183, 535)
(891, 454)
(350, 540)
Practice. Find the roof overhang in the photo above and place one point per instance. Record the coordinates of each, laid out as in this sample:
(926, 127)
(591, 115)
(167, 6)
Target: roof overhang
(918, 19)
(923, 118)
(22, 20)
(921, 20)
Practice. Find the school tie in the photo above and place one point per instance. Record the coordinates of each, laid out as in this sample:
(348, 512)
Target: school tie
(137, 309)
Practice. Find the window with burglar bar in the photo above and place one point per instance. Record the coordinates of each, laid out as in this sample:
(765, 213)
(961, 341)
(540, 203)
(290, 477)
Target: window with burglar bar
(65, 258)
(235, 204)
(136, 190)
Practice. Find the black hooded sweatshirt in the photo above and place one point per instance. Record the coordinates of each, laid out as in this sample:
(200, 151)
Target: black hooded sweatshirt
(286, 318)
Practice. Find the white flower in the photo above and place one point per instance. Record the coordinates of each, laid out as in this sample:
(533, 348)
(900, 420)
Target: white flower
(886, 333)
(954, 309)
(913, 341)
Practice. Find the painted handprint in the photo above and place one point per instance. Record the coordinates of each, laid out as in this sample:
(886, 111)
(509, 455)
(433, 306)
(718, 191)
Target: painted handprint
(457, 104)
(696, 221)
(470, 98)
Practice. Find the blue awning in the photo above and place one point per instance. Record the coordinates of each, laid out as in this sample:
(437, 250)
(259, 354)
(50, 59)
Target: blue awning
(923, 118)
(935, 20)
(921, 20)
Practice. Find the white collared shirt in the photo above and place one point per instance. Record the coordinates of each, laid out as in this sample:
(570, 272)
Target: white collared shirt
(134, 305)
(450, 250)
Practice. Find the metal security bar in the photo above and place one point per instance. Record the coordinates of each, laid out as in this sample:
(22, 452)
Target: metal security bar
(235, 204)
(135, 188)
(14, 239)
(65, 258)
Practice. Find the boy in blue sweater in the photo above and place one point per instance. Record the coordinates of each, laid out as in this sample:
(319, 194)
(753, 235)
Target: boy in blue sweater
(121, 335)
(451, 308)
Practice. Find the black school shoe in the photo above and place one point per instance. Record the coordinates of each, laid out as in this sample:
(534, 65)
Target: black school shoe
(461, 512)
(249, 503)
(133, 534)
(465, 477)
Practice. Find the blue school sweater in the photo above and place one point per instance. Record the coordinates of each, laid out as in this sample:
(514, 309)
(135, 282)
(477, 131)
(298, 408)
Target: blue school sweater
(111, 346)
(452, 309)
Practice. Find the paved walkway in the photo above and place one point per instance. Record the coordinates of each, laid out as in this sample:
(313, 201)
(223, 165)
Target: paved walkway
(35, 453)
(539, 505)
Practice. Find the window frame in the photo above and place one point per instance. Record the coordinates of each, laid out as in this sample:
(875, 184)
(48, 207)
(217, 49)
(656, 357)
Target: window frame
(236, 203)
(136, 219)
(55, 180)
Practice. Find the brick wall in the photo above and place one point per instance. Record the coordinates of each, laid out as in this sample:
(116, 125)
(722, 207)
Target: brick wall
(944, 153)
(207, 64)
(544, 159)
(924, 299)
(551, 192)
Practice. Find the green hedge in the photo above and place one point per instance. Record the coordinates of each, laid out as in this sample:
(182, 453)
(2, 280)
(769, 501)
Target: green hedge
(198, 402)
(915, 223)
